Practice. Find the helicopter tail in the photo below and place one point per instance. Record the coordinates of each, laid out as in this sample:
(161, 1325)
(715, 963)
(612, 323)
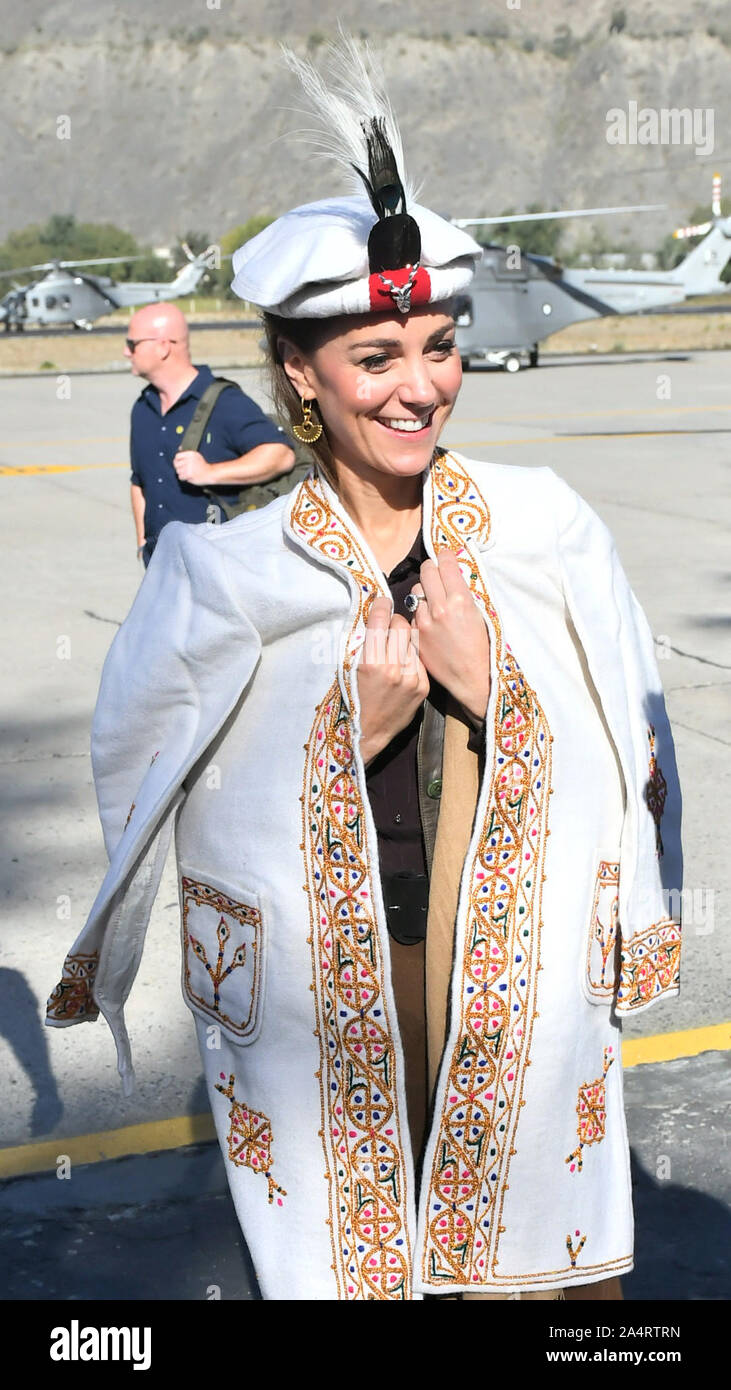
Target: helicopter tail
(701, 269)
(188, 279)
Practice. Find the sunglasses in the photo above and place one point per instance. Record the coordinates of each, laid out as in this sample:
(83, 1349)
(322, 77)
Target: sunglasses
(133, 343)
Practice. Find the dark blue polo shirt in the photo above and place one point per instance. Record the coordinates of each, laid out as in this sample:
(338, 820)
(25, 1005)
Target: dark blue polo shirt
(236, 426)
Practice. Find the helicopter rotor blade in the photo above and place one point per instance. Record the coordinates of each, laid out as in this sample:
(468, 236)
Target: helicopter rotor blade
(24, 269)
(682, 232)
(101, 260)
(716, 195)
(545, 216)
(68, 265)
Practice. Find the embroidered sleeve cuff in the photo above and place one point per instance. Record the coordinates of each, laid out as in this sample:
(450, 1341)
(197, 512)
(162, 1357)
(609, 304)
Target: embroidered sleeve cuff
(72, 1001)
(650, 967)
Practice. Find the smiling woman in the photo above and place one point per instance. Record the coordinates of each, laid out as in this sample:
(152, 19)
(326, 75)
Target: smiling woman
(407, 725)
(401, 373)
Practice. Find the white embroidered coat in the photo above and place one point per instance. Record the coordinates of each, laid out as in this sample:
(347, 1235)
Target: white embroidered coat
(229, 709)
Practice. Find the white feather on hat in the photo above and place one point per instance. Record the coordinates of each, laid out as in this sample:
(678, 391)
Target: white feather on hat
(357, 254)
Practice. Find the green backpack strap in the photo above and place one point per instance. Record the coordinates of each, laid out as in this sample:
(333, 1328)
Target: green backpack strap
(251, 495)
(203, 412)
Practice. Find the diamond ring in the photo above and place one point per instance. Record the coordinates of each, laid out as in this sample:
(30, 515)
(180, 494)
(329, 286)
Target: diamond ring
(412, 601)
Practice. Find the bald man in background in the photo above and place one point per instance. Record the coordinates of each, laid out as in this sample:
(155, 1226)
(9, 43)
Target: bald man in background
(240, 444)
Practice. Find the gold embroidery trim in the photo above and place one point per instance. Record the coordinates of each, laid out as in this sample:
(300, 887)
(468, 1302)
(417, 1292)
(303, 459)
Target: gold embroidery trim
(650, 965)
(500, 964)
(362, 1143)
(222, 964)
(575, 1250)
(250, 1138)
(591, 1111)
(506, 876)
(72, 999)
(603, 929)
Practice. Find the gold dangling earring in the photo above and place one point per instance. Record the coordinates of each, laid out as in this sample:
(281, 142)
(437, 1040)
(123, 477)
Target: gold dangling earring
(309, 430)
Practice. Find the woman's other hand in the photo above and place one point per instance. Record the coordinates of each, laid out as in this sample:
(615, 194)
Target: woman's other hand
(454, 644)
(392, 681)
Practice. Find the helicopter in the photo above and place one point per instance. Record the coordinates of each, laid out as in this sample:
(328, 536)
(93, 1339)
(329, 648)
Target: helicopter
(65, 295)
(518, 298)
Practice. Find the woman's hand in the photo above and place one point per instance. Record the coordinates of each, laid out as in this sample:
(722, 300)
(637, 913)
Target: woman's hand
(392, 681)
(454, 644)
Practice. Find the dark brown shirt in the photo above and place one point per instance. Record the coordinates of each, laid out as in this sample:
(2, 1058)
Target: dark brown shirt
(391, 777)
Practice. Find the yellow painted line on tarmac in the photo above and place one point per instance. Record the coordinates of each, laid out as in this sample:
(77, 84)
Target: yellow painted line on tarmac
(666, 1047)
(499, 419)
(525, 415)
(155, 1136)
(61, 443)
(23, 468)
(152, 1137)
(502, 418)
(461, 444)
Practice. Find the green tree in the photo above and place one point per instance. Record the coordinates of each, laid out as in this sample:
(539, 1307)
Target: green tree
(60, 230)
(592, 244)
(671, 252)
(62, 238)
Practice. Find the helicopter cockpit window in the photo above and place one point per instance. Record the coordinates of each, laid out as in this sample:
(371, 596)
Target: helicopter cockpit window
(50, 301)
(65, 301)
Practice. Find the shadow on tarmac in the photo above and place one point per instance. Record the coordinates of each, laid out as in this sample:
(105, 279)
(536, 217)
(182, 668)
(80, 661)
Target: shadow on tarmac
(187, 1245)
(153, 1226)
(25, 1033)
(682, 1240)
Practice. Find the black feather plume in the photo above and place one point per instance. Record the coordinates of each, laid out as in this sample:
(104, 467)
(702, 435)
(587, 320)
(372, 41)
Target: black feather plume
(395, 239)
(383, 181)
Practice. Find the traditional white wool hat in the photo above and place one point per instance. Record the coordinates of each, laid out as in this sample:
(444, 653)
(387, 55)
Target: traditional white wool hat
(314, 261)
(357, 254)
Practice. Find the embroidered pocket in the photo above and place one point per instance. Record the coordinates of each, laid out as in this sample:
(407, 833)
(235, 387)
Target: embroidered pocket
(602, 955)
(223, 954)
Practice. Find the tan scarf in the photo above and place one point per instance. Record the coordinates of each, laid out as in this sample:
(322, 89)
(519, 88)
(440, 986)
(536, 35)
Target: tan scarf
(460, 786)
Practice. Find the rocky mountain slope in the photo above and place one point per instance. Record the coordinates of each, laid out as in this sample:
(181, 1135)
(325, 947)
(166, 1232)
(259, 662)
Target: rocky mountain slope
(178, 112)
